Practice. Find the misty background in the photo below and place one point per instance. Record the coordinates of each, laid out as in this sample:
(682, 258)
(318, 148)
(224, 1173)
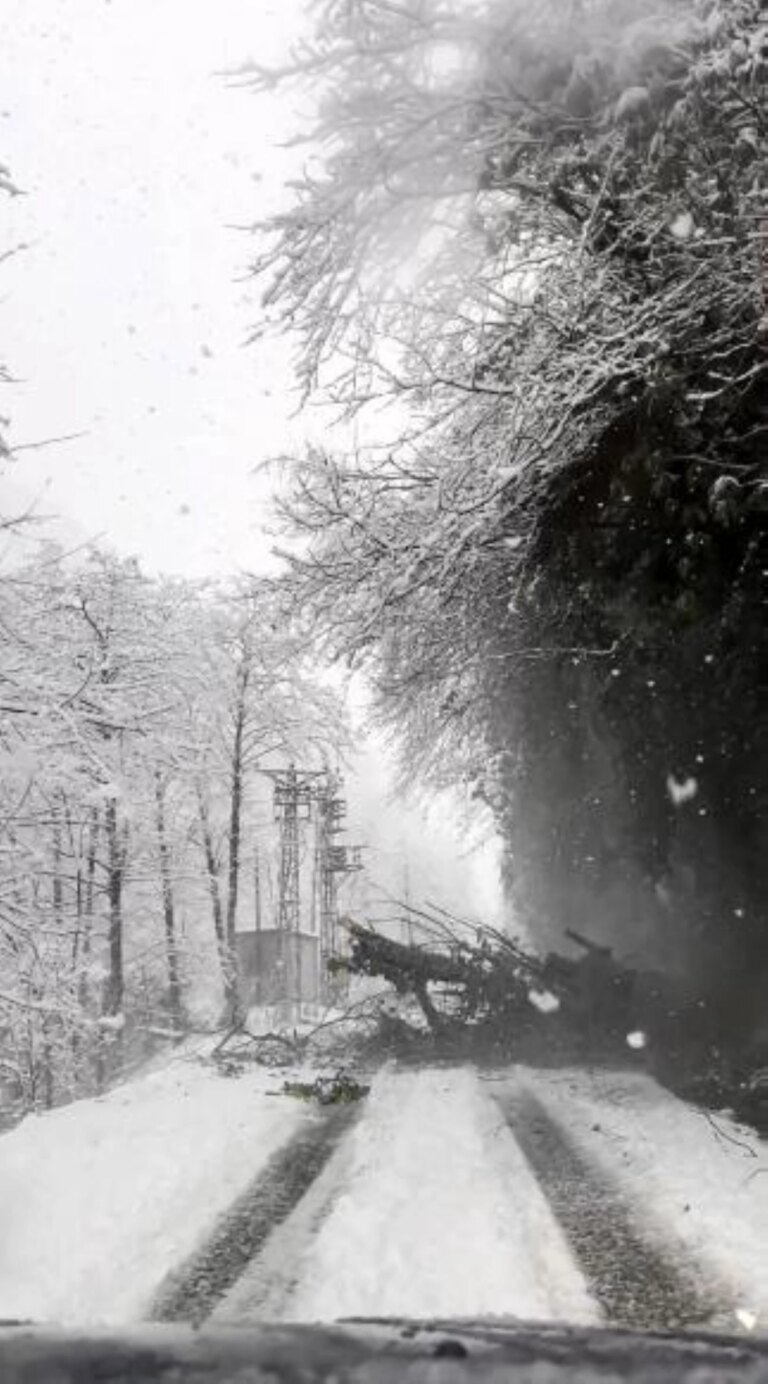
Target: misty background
(142, 165)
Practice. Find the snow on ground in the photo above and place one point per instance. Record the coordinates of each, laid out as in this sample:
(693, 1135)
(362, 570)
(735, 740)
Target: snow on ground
(98, 1200)
(264, 1289)
(439, 1214)
(700, 1180)
(428, 1207)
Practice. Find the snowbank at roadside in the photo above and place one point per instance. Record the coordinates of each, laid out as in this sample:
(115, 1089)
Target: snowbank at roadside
(100, 1199)
(439, 1215)
(701, 1180)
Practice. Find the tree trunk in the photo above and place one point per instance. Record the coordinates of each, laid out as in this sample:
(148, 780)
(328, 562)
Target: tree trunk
(231, 988)
(57, 888)
(114, 990)
(81, 948)
(47, 1064)
(212, 872)
(169, 916)
(89, 892)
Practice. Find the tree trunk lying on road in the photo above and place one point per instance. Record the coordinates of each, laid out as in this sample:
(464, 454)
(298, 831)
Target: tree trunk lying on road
(482, 994)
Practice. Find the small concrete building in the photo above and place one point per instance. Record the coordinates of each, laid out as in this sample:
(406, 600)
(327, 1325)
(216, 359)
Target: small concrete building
(279, 966)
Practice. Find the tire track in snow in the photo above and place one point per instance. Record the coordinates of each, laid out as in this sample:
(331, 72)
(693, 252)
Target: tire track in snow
(635, 1283)
(191, 1292)
(439, 1213)
(265, 1288)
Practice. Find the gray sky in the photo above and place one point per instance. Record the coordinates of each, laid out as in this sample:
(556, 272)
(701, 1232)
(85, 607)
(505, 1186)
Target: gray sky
(125, 317)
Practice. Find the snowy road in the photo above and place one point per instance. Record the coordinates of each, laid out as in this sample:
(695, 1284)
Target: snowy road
(190, 1293)
(638, 1283)
(571, 1196)
(454, 1195)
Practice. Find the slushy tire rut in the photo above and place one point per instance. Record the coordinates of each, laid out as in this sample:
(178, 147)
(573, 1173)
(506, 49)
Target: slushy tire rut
(190, 1294)
(635, 1284)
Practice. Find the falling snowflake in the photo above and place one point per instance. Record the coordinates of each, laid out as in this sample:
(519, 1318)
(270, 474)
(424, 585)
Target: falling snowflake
(682, 227)
(682, 790)
(746, 1318)
(544, 1001)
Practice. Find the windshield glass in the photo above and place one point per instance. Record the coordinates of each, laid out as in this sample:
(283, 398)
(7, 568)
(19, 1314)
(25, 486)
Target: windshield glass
(382, 676)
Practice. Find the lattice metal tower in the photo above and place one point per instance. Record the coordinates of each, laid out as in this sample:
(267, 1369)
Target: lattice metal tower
(293, 790)
(332, 862)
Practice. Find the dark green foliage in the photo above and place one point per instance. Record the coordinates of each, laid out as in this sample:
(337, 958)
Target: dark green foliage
(340, 1089)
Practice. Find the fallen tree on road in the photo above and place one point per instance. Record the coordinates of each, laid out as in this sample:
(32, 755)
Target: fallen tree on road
(483, 995)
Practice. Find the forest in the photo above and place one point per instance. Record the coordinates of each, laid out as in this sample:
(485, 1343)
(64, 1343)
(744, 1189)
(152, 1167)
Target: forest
(524, 269)
(526, 263)
(136, 715)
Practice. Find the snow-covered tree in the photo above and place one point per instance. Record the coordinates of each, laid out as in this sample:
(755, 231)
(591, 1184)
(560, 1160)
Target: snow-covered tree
(134, 717)
(530, 244)
(256, 704)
